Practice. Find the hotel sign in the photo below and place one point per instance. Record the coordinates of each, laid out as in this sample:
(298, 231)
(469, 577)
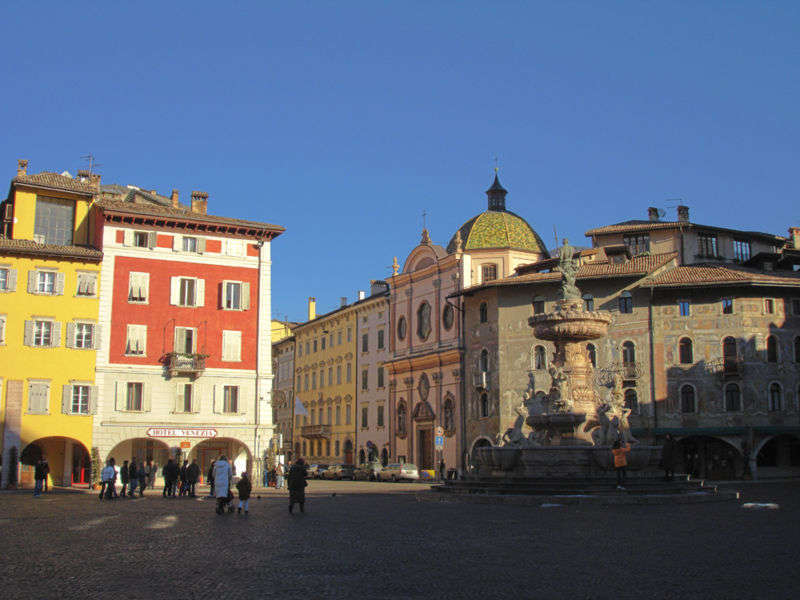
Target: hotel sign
(173, 432)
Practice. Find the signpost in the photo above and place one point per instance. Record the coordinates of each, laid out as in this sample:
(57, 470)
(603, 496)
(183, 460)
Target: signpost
(439, 441)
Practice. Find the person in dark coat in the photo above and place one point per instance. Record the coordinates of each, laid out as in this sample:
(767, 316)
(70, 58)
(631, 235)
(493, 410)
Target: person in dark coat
(192, 476)
(133, 477)
(211, 479)
(46, 469)
(245, 487)
(668, 452)
(141, 473)
(124, 477)
(296, 482)
(170, 474)
(40, 476)
(184, 481)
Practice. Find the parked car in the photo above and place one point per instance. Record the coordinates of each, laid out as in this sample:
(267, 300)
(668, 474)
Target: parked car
(338, 472)
(370, 471)
(399, 471)
(315, 471)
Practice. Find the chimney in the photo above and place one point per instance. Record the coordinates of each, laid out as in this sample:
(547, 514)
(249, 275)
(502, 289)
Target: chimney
(683, 214)
(342, 301)
(652, 213)
(362, 294)
(794, 233)
(22, 167)
(312, 308)
(174, 198)
(83, 174)
(95, 180)
(200, 202)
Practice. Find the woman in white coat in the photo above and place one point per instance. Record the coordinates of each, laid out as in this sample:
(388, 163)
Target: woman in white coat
(222, 482)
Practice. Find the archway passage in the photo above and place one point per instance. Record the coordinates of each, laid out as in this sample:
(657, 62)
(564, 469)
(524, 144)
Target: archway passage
(154, 453)
(706, 456)
(237, 453)
(479, 443)
(780, 454)
(67, 458)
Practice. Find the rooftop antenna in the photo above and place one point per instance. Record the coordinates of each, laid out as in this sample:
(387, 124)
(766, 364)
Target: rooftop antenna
(424, 219)
(496, 165)
(90, 158)
(555, 235)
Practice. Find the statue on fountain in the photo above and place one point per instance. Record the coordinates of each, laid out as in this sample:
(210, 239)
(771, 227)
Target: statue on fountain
(568, 266)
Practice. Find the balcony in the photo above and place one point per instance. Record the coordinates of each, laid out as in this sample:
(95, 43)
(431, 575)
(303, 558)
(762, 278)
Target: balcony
(728, 367)
(316, 431)
(186, 364)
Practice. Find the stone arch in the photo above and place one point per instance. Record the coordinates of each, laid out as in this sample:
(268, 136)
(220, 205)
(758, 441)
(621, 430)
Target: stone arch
(423, 412)
(237, 452)
(68, 458)
(710, 456)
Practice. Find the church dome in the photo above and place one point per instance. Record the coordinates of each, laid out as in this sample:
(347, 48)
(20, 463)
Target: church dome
(497, 228)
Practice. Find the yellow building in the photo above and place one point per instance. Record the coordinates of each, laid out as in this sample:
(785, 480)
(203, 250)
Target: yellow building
(281, 330)
(49, 278)
(325, 383)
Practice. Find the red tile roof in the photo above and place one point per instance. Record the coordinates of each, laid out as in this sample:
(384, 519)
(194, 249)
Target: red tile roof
(55, 181)
(708, 275)
(29, 247)
(634, 226)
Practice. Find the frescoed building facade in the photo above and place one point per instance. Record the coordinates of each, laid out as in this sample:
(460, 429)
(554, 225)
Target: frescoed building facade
(283, 396)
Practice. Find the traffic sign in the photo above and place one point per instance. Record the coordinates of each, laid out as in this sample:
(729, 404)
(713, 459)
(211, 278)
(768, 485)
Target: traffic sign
(439, 442)
(439, 432)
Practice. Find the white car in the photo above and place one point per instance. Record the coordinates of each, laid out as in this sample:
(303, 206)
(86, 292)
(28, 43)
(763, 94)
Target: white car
(399, 471)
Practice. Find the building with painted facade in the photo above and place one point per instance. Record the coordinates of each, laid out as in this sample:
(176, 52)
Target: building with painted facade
(283, 396)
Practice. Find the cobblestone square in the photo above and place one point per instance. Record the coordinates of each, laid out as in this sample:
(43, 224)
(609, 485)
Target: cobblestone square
(370, 540)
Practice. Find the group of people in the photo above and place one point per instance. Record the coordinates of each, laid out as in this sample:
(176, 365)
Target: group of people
(135, 474)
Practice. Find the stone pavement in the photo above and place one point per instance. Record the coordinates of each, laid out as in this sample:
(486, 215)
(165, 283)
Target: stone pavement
(374, 540)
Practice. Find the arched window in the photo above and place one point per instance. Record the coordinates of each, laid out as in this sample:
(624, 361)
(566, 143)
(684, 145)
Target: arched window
(424, 321)
(733, 398)
(539, 358)
(448, 316)
(775, 394)
(625, 302)
(687, 399)
(401, 418)
(628, 353)
(592, 352)
(483, 407)
(449, 417)
(772, 349)
(632, 400)
(588, 302)
(484, 361)
(538, 305)
(729, 355)
(685, 351)
(401, 328)
(797, 349)
(484, 312)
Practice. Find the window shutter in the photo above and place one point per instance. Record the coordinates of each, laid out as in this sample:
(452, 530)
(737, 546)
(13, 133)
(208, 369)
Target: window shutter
(174, 290)
(201, 292)
(177, 243)
(145, 397)
(151, 239)
(59, 284)
(221, 295)
(219, 398)
(201, 245)
(194, 340)
(96, 329)
(127, 238)
(70, 342)
(144, 282)
(119, 396)
(226, 345)
(141, 335)
(240, 405)
(180, 340)
(28, 337)
(92, 399)
(32, 276)
(56, 341)
(245, 296)
(236, 343)
(12, 280)
(196, 398)
(66, 399)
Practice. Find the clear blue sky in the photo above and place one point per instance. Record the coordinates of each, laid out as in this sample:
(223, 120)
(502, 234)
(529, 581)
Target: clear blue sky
(343, 121)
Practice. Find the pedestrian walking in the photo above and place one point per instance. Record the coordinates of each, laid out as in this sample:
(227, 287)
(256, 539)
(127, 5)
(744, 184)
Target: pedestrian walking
(211, 479)
(46, 471)
(124, 478)
(244, 486)
(107, 477)
(296, 482)
(222, 481)
(133, 477)
(141, 473)
(184, 487)
(620, 451)
(668, 451)
(279, 476)
(170, 474)
(152, 470)
(192, 476)
(40, 476)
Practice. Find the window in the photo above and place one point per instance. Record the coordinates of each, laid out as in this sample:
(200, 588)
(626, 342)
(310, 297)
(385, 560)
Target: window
(707, 245)
(79, 399)
(230, 399)
(190, 244)
(683, 308)
(87, 284)
(687, 399)
(483, 312)
(338, 374)
(347, 419)
(364, 416)
(141, 239)
(380, 378)
(772, 349)
(401, 418)
(364, 379)
(54, 221)
(538, 305)
(234, 247)
(299, 349)
(539, 358)
(327, 447)
(314, 380)
(380, 339)
(235, 295)
(632, 401)
(38, 397)
(339, 338)
(637, 244)
(185, 391)
(308, 351)
(685, 351)
(8, 279)
(592, 352)
(330, 375)
(2, 333)
(84, 335)
(134, 396)
(769, 306)
(449, 418)
(483, 405)
(305, 382)
(727, 306)
(424, 321)
(337, 446)
(299, 383)
(323, 340)
(338, 415)
(329, 411)
(775, 394)
(314, 346)
(185, 340)
(488, 272)
(322, 378)
(349, 335)
(365, 342)
(43, 334)
(232, 346)
(380, 416)
(448, 316)
(733, 398)
(483, 363)
(628, 353)
(625, 302)
(588, 302)
(187, 291)
(401, 328)
(46, 282)
(741, 250)
(797, 349)
(348, 373)
(729, 355)
(136, 340)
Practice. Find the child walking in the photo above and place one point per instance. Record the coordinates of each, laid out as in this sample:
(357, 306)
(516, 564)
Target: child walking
(244, 486)
(620, 451)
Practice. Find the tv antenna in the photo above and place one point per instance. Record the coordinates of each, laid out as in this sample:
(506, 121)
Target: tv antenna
(90, 158)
